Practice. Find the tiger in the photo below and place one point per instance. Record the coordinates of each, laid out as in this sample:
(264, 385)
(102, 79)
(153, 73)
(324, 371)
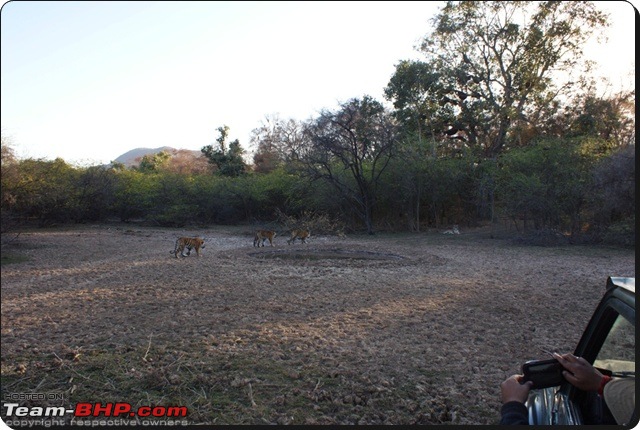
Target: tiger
(189, 243)
(263, 235)
(303, 235)
(454, 230)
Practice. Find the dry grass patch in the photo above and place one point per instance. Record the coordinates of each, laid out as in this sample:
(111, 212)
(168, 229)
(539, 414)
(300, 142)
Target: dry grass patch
(388, 329)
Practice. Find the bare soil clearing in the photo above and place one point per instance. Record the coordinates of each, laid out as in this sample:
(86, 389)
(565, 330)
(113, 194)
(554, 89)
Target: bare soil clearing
(383, 329)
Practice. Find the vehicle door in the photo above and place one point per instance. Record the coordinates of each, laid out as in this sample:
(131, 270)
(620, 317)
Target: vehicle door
(608, 343)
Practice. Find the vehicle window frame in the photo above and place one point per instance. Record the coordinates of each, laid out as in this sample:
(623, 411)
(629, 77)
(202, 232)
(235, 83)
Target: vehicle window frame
(600, 325)
(593, 339)
(567, 405)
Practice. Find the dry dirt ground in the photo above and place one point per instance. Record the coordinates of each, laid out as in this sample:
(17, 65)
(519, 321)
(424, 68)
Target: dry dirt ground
(385, 329)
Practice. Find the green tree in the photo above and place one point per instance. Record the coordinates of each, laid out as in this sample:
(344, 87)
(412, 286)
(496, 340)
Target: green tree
(611, 119)
(267, 139)
(94, 192)
(228, 159)
(416, 91)
(548, 183)
(134, 194)
(45, 191)
(152, 163)
(496, 63)
(409, 180)
(613, 197)
(9, 178)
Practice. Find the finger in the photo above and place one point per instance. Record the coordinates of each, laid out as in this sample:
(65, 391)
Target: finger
(582, 360)
(569, 377)
(563, 361)
(560, 358)
(508, 380)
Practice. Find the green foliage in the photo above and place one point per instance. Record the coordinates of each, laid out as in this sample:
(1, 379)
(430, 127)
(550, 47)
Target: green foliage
(416, 91)
(219, 199)
(41, 190)
(171, 205)
(94, 191)
(423, 189)
(175, 215)
(567, 185)
(151, 163)
(613, 198)
(134, 194)
(547, 183)
(274, 191)
(621, 233)
(494, 70)
(610, 120)
(228, 160)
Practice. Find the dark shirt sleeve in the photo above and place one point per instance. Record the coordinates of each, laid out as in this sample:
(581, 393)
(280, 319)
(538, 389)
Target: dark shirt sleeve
(514, 413)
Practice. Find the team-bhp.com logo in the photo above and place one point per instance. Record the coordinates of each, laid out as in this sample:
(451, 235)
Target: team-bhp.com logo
(125, 409)
(86, 414)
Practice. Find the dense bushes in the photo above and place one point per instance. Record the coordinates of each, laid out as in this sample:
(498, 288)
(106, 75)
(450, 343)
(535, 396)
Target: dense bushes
(560, 185)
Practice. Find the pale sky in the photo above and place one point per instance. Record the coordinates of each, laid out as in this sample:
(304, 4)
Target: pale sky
(87, 81)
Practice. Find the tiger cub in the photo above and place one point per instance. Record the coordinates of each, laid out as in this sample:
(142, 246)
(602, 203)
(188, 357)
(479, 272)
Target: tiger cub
(189, 243)
(303, 235)
(263, 235)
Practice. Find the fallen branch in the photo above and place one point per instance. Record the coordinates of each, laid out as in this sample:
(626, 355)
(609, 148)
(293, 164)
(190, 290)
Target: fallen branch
(251, 396)
(148, 348)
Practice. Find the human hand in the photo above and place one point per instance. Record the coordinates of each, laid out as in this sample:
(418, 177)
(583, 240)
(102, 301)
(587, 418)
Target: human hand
(512, 390)
(579, 372)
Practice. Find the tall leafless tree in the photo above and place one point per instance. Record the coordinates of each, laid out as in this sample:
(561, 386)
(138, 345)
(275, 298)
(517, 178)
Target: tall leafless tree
(350, 148)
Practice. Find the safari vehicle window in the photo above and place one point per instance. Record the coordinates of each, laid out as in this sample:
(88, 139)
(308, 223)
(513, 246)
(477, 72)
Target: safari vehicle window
(618, 352)
(615, 355)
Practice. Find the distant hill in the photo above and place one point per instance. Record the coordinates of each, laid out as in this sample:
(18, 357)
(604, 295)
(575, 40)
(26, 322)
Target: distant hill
(132, 158)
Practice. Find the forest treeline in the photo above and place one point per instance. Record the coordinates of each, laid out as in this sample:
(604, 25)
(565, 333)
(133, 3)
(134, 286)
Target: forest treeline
(482, 130)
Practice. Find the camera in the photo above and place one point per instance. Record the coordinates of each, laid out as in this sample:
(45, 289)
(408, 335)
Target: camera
(543, 373)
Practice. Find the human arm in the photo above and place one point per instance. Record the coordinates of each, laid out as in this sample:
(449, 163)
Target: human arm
(514, 394)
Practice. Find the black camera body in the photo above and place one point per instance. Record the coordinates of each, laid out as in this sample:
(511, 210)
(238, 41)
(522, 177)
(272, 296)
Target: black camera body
(543, 373)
